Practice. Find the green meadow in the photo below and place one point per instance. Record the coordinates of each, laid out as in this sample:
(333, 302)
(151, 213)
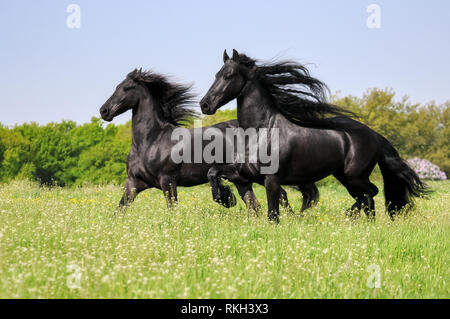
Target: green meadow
(66, 243)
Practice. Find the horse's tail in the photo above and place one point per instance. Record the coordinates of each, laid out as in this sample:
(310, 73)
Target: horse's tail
(310, 195)
(401, 183)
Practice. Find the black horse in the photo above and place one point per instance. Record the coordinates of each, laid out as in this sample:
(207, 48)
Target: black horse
(312, 145)
(159, 107)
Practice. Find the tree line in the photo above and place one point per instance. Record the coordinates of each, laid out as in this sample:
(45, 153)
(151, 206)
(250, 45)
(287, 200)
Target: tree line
(68, 154)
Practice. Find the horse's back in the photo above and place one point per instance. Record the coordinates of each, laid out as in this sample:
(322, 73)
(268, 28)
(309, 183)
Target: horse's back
(313, 153)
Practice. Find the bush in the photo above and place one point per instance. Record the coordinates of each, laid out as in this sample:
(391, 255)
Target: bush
(27, 172)
(426, 170)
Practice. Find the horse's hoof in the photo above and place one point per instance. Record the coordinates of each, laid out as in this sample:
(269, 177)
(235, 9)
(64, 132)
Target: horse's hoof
(371, 216)
(120, 210)
(256, 209)
(274, 218)
(227, 198)
(351, 214)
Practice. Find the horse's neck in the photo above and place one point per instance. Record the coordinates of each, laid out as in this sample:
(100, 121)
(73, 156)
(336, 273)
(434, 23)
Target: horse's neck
(255, 108)
(147, 123)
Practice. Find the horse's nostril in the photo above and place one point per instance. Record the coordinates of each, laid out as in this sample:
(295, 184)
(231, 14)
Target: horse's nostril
(204, 106)
(104, 111)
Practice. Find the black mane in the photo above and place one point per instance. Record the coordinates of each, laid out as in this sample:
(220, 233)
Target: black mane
(175, 98)
(296, 94)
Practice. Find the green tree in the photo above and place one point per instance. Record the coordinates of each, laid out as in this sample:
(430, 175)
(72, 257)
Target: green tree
(106, 161)
(219, 116)
(66, 153)
(14, 154)
(414, 129)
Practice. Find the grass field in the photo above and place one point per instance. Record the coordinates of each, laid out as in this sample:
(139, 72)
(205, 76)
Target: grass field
(64, 243)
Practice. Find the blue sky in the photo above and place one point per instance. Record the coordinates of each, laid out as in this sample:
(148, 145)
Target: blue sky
(50, 72)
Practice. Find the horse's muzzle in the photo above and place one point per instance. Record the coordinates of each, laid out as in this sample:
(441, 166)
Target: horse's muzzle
(105, 114)
(206, 108)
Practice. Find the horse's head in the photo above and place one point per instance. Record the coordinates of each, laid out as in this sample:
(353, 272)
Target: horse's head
(125, 97)
(230, 81)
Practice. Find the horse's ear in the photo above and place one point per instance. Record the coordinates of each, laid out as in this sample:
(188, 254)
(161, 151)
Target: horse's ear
(132, 74)
(235, 56)
(225, 56)
(136, 74)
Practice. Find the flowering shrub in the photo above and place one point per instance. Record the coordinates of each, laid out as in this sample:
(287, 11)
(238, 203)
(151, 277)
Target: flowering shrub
(426, 170)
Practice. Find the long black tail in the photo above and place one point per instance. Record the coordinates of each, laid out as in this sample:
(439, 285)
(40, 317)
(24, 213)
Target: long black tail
(401, 183)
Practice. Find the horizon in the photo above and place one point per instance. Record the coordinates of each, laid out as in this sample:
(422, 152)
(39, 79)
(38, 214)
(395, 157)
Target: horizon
(52, 72)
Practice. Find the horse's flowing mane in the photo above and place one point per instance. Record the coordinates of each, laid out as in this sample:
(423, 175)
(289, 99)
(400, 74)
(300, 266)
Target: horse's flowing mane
(296, 94)
(175, 98)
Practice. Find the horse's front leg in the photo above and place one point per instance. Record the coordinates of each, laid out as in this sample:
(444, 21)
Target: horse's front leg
(273, 191)
(248, 196)
(222, 193)
(169, 187)
(131, 189)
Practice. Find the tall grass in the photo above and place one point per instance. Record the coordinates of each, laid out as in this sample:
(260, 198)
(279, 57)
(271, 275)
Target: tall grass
(201, 250)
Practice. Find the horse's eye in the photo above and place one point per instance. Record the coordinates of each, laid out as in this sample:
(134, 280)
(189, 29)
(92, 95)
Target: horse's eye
(129, 87)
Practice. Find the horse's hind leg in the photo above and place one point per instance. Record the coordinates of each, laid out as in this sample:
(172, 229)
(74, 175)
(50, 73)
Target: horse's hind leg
(284, 202)
(310, 195)
(169, 187)
(252, 203)
(248, 196)
(363, 191)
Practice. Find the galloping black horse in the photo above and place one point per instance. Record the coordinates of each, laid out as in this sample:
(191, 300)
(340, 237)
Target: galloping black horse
(160, 106)
(312, 145)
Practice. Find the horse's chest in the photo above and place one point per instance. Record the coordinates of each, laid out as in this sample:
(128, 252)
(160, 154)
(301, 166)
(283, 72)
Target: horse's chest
(139, 167)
